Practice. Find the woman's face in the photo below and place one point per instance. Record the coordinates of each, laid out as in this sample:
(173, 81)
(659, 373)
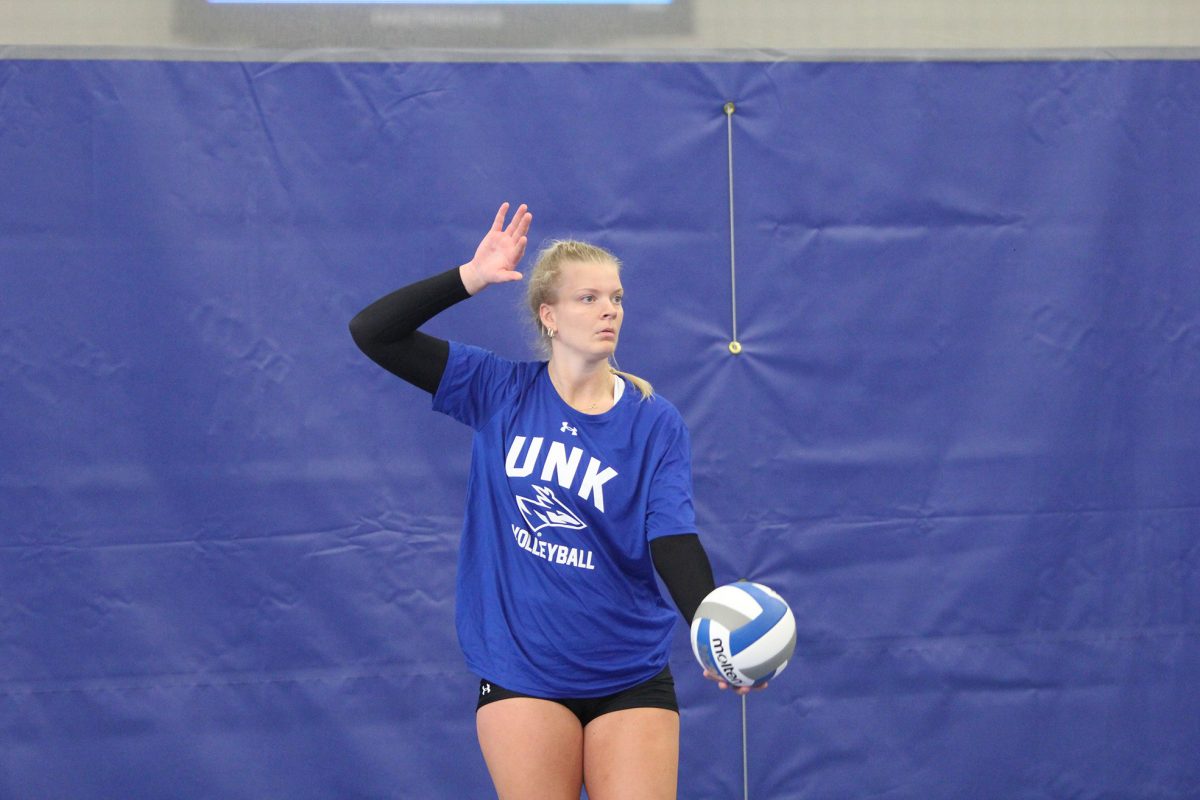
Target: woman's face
(586, 316)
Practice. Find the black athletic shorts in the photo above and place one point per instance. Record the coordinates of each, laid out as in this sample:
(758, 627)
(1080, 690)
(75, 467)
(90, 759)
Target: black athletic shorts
(658, 692)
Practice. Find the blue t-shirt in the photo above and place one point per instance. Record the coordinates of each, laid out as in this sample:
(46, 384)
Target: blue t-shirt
(556, 594)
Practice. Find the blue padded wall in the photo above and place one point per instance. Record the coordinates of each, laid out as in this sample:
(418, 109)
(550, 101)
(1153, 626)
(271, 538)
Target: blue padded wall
(962, 439)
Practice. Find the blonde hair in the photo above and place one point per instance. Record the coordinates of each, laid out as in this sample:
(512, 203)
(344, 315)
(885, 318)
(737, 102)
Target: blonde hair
(544, 279)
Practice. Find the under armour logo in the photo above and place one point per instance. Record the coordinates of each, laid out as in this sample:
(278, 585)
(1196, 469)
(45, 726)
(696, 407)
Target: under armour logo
(565, 427)
(485, 688)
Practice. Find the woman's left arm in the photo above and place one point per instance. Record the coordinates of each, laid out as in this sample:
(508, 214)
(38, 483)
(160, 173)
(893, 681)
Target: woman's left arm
(684, 567)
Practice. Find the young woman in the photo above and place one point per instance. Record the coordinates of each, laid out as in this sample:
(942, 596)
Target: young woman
(580, 489)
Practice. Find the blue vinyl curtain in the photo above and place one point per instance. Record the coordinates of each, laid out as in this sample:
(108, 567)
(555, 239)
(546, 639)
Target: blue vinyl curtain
(962, 438)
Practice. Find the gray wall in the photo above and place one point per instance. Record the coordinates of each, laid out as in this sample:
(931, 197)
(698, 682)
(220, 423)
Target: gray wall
(765, 29)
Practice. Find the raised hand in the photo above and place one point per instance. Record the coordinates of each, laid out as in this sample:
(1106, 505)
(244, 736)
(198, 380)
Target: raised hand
(498, 254)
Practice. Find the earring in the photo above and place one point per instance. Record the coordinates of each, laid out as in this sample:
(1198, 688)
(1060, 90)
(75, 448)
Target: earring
(550, 332)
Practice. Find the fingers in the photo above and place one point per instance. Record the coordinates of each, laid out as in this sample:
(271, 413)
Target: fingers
(523, 227)
(723, 684)
(748, 689)
(513, 229)
(498, 222)
(518, 226)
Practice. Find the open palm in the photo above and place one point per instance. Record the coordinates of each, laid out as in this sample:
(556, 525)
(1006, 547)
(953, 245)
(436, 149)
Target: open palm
(500, 252)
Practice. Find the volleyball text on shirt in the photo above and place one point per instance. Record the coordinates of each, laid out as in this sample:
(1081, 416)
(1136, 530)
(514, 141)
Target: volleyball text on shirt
(546, 510)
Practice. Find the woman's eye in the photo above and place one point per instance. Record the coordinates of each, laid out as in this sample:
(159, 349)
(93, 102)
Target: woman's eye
(587, 298)
(619, 299)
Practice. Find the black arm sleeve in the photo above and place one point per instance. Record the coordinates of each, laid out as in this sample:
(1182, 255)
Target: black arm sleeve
(683, 565)
(387, 331)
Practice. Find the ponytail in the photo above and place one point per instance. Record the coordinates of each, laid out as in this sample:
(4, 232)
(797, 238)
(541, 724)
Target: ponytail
(642, 384)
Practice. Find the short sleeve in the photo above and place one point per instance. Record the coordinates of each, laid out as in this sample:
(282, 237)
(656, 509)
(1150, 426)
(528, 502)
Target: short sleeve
(475, 384)
(669, 510)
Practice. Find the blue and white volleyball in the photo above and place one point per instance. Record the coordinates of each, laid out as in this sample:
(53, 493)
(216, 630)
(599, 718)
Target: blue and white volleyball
(744, 632)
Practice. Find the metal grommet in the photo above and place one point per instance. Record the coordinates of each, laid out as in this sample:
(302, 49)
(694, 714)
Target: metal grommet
(735, 347)
(729, 107)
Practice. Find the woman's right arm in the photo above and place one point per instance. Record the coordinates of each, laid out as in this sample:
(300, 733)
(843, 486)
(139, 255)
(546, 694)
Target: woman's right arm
(387, 331)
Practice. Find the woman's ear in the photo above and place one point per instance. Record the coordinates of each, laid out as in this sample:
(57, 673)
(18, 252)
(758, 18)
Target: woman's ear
(546, 315)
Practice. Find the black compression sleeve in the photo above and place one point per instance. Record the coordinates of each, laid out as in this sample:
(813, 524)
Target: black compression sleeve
(685, 569)
(387, 331)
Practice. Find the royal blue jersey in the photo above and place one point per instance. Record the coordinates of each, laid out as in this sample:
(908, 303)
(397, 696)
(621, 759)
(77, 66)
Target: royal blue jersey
(556, 594)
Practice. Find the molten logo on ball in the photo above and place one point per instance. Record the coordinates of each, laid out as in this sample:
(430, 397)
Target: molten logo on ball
(718, 651)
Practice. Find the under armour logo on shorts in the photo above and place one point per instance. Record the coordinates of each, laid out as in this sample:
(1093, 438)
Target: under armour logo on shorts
(484, 688)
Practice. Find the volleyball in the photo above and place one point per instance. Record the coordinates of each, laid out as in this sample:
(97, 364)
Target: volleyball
(744, 632)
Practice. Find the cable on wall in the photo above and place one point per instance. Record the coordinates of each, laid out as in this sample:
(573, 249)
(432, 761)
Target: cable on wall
(735, 346)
